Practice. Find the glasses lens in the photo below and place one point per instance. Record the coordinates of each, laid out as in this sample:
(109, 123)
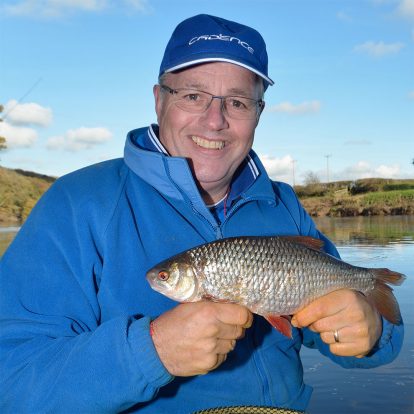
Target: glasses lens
(239, 107)
(192, 100)
(197, 102)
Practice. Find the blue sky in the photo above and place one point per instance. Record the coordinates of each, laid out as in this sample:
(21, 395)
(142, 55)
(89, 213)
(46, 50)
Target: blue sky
(77, 75)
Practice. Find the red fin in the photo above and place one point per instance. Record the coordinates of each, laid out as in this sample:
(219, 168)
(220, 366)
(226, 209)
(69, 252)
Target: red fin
(382, 297)
(307, 241)
(281, 323)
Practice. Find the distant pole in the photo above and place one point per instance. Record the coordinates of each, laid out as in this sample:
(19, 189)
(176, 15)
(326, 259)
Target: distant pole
(293, 172)
(21, 98)
(327, 167)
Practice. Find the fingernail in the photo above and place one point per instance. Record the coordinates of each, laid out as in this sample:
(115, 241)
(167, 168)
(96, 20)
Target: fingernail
(294, 322)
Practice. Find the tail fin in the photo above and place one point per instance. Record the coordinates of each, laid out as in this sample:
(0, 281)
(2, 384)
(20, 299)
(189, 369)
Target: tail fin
(382, 297)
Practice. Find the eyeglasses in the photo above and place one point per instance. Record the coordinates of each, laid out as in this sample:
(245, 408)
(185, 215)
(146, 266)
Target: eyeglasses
(197, 102)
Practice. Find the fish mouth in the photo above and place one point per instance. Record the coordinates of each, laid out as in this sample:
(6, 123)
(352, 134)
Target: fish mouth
(208, 143)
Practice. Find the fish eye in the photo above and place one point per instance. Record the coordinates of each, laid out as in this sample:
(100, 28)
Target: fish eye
(163, 275)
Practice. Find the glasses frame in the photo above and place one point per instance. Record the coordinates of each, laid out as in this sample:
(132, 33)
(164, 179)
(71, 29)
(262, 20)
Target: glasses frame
(258, 102)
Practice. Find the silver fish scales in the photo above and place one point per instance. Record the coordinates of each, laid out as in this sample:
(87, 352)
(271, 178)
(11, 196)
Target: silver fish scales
(272, 276)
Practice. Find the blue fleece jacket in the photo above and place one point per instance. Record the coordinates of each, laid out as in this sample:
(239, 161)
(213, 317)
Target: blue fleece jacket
(75, 305)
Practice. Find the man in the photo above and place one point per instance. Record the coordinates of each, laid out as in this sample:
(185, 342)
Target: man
(81, 329)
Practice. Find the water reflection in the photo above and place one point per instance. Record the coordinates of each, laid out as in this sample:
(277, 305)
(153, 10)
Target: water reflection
(377, 230)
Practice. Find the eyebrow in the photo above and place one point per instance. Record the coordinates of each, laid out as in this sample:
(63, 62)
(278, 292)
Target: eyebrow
(203, 87)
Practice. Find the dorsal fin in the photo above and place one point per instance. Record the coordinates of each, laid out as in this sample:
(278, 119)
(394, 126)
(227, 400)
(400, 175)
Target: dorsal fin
(307, 241)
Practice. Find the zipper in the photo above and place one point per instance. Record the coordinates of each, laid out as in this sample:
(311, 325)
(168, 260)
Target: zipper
(242, 202)
(260, 366)
(214, 227)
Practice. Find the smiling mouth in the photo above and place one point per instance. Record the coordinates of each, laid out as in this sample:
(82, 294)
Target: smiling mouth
(209, 144)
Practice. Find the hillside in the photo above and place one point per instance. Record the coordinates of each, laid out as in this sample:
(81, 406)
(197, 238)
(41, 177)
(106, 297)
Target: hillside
(19, 192)
(365, 197)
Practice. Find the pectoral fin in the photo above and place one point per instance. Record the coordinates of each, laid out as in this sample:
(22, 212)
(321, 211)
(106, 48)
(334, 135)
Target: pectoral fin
(281, 323)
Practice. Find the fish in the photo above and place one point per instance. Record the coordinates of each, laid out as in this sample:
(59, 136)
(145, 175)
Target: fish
(273, 276)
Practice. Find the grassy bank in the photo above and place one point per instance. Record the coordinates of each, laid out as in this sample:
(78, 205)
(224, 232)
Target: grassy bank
(20, 190)
(368, 197)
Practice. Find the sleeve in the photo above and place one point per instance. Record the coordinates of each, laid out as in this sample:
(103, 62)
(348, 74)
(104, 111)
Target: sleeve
(390, 342)
(55, 355)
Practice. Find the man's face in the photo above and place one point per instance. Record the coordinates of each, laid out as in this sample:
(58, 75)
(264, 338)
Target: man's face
(214, 143)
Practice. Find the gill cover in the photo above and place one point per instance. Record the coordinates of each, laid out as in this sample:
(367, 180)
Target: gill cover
(175, 280)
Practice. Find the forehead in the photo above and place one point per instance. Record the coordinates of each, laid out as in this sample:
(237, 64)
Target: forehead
(227, 77)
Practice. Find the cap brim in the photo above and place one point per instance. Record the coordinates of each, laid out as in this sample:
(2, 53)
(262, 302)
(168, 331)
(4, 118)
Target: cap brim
(218, 59)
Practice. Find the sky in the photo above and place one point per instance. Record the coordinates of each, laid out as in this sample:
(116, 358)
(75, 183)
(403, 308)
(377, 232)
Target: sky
(77, 75)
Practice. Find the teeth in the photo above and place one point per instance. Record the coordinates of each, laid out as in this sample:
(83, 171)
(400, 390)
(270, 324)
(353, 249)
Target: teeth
(205, 143)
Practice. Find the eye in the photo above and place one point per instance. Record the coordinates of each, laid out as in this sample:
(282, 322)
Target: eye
(194, 97)
(163, 275)
(237, 104)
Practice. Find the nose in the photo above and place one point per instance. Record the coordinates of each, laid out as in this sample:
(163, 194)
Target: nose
(214, 116)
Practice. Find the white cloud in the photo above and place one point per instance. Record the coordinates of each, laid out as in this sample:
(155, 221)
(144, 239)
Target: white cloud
(17, 136)
(363, 169)
(406, 9)
(299, 109)
(388, 171)
(411, 95)
(379, 49)
(58, 8)
(27, 114)
(79, 139)
(278, 168)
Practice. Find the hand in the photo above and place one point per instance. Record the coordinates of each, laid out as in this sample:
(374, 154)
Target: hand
(195, 338)
(357, 322)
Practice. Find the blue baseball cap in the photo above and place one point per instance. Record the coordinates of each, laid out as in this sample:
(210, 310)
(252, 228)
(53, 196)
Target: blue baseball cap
(204, 38)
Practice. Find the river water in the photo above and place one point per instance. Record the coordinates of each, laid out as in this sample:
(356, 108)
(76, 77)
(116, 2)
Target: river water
(371, 242)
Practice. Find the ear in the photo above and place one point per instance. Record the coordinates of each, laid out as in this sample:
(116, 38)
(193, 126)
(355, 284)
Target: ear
(260, 113)
(158, 99)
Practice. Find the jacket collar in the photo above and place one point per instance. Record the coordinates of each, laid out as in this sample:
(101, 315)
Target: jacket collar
(146, 157)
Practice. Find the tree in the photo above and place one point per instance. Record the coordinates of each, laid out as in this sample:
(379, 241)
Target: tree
(311, 178)
(313, 185)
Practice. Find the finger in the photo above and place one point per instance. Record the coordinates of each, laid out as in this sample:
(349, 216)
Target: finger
(343, 349)
(230, 332)
(320, 308)
(234, 314)
(329, 337)
(349, 342)
(346, 334)
(354, 349)
(220, 358)
(330, 323)
(224, 346)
